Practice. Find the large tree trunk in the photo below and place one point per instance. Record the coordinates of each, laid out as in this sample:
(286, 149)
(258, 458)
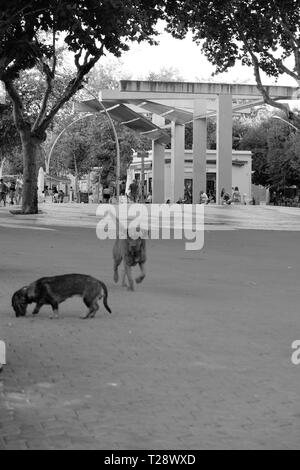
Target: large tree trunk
(30, 148)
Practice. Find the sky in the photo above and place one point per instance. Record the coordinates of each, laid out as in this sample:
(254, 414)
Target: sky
(187, 58)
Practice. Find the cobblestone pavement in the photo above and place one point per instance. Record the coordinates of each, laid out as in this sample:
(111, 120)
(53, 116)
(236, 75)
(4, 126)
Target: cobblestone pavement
(199, 357)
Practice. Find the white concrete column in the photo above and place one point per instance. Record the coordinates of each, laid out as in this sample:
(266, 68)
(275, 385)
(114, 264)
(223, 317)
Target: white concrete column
(2, 354)
(158, 166)
(41, 185)
(224, 145)
(199, 149)
(177, 161)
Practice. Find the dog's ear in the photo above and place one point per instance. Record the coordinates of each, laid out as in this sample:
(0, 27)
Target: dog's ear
(19, 303)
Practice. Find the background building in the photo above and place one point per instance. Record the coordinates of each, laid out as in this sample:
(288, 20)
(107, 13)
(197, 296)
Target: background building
(241, 172)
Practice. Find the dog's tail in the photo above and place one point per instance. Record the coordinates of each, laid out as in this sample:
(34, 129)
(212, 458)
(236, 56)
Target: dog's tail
(105, 297)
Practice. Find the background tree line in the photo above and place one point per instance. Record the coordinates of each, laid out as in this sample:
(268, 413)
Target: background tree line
(263, 35)
(90, 143)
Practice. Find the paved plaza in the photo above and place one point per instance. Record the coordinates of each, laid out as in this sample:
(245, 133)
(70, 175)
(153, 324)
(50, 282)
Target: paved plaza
(199, 357)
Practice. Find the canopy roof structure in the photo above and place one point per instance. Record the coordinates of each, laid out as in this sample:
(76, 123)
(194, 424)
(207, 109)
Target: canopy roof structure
(173, 102)
(125, 115)
(151, 108)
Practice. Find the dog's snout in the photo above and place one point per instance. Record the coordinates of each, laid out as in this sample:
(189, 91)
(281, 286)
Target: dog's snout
(19, 304)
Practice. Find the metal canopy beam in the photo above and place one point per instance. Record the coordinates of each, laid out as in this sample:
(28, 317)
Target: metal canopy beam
(126, 116)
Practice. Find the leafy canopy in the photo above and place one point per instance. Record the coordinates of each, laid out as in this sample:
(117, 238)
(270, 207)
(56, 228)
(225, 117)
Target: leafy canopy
(91, 26)
(264, 34)
(32, 32)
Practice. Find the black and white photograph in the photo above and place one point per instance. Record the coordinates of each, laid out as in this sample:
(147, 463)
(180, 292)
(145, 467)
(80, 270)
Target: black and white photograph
(149, 227)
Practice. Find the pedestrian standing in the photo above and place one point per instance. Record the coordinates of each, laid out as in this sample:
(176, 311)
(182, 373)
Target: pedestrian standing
(106, 195)
(18, 195)
(3, 192)
(236, 196)
(54, 194)
(12, 192)
(60, 196)
(134, 191)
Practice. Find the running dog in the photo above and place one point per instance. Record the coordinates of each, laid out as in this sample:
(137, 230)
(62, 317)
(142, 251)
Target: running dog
(55, 290)
(131, 252)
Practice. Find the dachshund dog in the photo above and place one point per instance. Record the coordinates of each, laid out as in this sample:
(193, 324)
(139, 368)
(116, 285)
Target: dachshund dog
(55, 290)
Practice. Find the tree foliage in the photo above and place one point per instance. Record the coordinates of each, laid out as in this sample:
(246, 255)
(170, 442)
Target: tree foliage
(165, 74)
(90, 143)
(275, 149)
(106, 75)
(90, 28)
(263, 34)
(30, 35)
(256, 140)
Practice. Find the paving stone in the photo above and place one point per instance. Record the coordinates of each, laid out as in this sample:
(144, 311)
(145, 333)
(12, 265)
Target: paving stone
(199, 357)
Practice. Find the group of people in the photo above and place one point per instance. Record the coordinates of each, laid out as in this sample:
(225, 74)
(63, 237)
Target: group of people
(279, 198)
(206, 199)
(11, 191)
(227, 199)
(135, 193)
(57, 196)
(235, 198)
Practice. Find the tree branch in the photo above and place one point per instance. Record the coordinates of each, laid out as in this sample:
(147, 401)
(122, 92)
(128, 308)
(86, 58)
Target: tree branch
(297, 62)
(50, 74)
(281, 67)
(262, 88)
(49, 79)
(291, 115)
(18, 114)
(72, 88)
(77, 58)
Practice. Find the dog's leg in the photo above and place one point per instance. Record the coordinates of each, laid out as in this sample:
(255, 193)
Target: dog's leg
(117, 261)
(38, 307)
(124, 283)
(143, 273)
(128, 273)
(55, 311)
(116, 272)
(93, 307)
(51, 300)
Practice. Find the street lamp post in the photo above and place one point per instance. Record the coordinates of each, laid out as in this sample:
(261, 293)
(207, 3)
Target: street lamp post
(118, 166)
(48, 160)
